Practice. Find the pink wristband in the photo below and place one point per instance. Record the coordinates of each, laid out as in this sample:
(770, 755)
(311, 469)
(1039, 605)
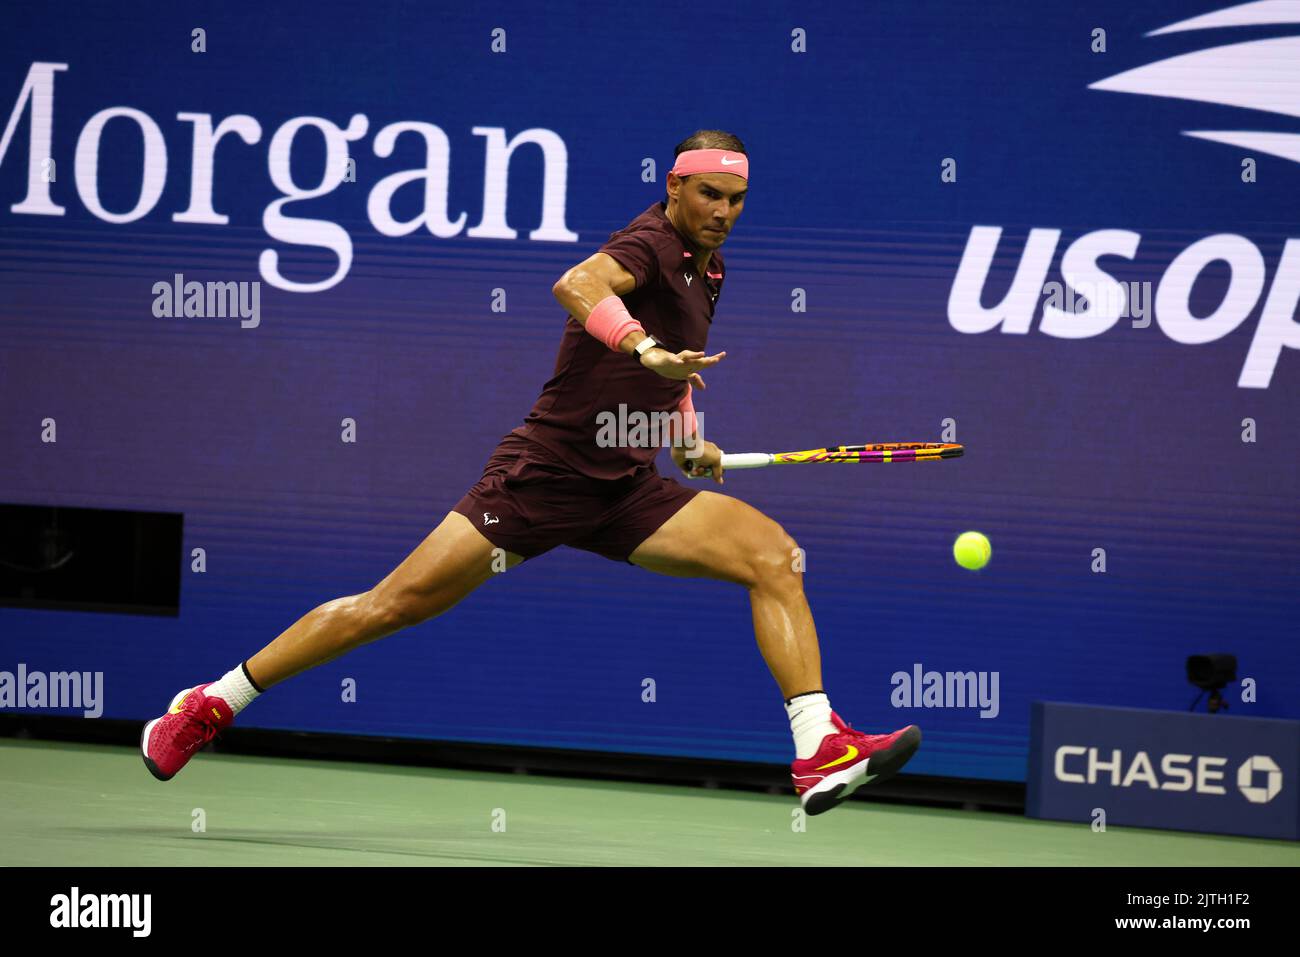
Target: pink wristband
(610, 322)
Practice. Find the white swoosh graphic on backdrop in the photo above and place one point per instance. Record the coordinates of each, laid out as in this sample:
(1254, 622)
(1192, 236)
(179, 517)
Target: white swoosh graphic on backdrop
(1256, 75)
(1261, 13)
(1285, 145)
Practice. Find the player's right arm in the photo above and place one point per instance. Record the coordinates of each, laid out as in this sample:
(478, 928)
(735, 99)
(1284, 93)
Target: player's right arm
(600, 276)
(587, 283)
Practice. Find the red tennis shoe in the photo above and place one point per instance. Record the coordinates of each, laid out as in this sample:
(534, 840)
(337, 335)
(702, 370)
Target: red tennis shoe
(193, 720)
(849, 759)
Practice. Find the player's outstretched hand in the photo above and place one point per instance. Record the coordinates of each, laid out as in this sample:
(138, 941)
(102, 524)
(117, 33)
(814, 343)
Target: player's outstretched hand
(684, 365)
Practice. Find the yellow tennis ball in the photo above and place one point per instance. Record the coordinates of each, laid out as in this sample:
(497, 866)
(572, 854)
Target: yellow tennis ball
(972, 550)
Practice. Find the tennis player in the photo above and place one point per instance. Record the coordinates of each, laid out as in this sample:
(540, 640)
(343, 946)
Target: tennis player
(639, 312)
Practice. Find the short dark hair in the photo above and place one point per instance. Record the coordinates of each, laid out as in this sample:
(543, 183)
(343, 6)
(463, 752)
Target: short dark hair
(710, 140)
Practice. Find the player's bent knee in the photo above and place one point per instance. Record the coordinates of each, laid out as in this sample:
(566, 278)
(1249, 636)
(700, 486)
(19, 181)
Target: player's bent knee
(776, 561)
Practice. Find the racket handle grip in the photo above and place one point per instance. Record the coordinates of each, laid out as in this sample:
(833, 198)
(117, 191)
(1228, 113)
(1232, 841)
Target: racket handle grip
(746, 460)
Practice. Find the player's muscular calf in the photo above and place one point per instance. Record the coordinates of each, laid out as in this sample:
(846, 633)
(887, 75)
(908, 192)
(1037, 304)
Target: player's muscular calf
(719, 537)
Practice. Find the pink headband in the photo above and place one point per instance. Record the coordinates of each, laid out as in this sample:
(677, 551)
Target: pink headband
(712, 161)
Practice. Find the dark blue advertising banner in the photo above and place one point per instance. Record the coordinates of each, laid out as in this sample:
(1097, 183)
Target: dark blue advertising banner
(284, 273)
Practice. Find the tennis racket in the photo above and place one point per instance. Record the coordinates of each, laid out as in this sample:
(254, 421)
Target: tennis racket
(872, 452)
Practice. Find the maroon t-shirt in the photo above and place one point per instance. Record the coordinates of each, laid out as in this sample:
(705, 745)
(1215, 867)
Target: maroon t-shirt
(674, 304)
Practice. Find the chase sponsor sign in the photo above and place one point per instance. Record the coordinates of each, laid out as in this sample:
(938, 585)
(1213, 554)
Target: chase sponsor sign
(1169, 769)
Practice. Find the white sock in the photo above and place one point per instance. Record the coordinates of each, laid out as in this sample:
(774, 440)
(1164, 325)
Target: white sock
(234, 689)
(810, 720)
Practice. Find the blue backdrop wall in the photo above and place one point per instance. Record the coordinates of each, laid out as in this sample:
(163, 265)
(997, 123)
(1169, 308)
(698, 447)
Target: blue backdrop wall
(913, 166)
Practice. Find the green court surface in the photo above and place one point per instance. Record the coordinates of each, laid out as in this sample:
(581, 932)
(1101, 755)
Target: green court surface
(63, 804)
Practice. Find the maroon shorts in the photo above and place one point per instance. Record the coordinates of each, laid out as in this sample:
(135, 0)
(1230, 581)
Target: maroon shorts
(528, 501)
